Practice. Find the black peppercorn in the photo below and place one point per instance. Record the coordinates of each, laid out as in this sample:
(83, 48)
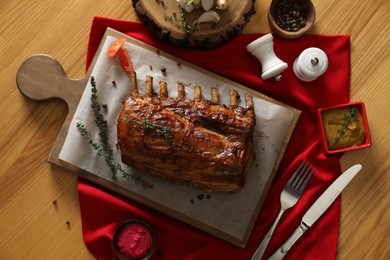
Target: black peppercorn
(290, 15)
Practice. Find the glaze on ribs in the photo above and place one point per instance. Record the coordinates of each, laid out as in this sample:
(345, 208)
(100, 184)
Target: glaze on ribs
(195, 141)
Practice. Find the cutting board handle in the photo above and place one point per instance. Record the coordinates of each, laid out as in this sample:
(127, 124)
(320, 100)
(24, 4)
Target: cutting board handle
(41, 77)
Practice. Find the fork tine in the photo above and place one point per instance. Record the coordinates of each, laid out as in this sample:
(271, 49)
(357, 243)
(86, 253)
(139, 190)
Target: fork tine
(302, 175)
(307, 178)
(292, 178)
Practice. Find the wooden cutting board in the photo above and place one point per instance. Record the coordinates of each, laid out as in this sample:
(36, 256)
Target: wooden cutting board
(229, 216)
(167, 20)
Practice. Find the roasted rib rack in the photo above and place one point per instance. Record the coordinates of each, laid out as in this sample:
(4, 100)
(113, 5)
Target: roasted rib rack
(195, 141)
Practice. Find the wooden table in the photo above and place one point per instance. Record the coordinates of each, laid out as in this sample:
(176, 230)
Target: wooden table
(32, 227)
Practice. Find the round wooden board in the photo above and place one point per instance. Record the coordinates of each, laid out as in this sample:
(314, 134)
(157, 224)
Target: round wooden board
(155, 14)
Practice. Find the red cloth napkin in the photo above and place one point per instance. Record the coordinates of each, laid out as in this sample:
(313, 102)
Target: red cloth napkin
(102, 210)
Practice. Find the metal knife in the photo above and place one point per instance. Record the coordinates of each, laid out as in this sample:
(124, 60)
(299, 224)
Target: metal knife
(317, 209)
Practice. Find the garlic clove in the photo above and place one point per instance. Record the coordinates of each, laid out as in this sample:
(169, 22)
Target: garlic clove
(221, 4)
(196, 3)
(207, 17)
(189, 7)
(182, 3)
(207, 4)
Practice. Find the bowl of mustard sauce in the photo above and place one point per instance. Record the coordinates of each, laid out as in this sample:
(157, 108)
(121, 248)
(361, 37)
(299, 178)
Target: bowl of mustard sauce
(344, 127)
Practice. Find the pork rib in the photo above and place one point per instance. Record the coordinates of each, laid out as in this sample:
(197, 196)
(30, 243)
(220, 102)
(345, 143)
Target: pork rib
(195, 141)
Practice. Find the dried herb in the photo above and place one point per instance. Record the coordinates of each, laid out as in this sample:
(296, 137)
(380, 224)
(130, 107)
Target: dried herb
(348, 118)
(112, 164)
(99, 119)
(182, 21)
(163, 130)
(103, 148)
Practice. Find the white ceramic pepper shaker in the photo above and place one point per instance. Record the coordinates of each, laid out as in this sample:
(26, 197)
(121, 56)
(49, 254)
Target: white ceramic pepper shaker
(310, 64)
(263, 50)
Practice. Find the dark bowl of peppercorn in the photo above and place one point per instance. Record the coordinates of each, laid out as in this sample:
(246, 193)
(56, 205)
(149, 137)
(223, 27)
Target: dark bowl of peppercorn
(291, 18)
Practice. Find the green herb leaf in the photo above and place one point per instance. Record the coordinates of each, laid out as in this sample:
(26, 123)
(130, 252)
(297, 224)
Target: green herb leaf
(187, 28)
(103, 148)
(147, 124)
(348, 118)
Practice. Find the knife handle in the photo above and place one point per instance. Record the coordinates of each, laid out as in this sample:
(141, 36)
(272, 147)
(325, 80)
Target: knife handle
(282, 251)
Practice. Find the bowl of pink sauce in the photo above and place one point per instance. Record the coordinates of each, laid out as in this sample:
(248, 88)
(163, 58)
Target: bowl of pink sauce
(134, 240)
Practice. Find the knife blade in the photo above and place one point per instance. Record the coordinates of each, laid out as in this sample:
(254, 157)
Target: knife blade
(317, 209)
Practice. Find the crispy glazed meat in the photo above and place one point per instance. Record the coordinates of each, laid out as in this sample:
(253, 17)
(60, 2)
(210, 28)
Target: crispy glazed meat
(196, 141)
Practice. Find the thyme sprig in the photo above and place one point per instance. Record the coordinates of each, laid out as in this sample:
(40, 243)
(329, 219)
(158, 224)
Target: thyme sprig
(107, 155)
(102, 147)
(182, 21)
(114, 165)
(147, 124)
(99, 119)
(348, 119)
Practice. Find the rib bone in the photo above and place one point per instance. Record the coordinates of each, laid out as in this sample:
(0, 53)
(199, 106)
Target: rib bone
(234, 96)
(214, 95)
(149, 86)
(180, 90)
(248, 101)
(163, 89)
(198, 93)
(133, 79)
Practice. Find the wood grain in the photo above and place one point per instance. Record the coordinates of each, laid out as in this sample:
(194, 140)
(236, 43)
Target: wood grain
(33, 228)
(162, 18)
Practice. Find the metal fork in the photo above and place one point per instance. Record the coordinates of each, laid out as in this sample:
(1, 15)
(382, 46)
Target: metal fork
(289, 197)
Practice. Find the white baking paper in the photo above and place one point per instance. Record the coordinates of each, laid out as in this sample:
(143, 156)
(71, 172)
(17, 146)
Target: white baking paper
(224, 214)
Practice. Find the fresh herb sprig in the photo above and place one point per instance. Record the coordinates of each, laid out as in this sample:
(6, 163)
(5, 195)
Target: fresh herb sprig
(182, 21)
(103, 148)
(348, 119)
(107, 155)
(147, 124)
(114, 165)
(99, 119)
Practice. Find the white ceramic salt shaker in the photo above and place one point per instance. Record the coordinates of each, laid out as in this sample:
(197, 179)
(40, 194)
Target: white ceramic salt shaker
(263, 50)
(310, 64)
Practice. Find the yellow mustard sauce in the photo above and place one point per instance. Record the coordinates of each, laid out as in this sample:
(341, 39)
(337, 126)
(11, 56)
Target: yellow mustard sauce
(343, 128)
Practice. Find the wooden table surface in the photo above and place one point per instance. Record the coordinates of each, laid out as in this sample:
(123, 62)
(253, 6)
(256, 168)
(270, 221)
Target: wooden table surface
(31, 227)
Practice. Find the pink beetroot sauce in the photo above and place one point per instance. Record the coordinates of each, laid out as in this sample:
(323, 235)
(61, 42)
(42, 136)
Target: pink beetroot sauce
(134, 241)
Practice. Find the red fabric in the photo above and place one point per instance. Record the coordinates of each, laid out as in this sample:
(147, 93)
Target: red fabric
(103, 210)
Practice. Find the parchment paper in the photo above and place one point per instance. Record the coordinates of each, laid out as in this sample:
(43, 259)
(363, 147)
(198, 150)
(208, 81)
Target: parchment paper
(227, 215)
